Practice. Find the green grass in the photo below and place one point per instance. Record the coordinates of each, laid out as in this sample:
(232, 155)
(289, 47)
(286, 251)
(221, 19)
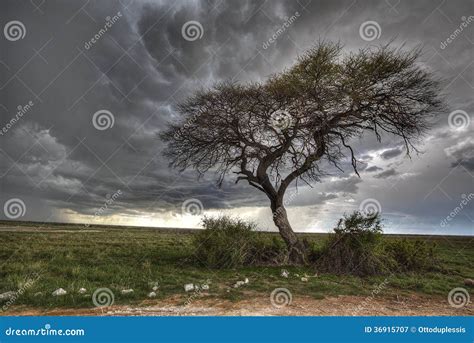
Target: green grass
(124, 257)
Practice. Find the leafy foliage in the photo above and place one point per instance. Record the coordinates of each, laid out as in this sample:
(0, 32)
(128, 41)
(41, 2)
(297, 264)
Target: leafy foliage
(411, 255)
(302, 120)
(358, 247)
(229, 242)
(355, 247)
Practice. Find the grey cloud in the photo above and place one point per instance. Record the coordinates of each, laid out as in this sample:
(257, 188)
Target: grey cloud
(56, 160)
(391, 153)
(386, 174)
(373, 169)
(463, 154)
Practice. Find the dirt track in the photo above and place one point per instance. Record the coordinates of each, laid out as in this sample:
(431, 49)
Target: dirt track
(261, 306)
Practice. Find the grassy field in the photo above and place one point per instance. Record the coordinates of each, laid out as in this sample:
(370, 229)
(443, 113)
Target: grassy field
(75, 256)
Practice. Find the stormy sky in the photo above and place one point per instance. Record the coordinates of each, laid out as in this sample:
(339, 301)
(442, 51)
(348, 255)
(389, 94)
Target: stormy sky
(87, 86)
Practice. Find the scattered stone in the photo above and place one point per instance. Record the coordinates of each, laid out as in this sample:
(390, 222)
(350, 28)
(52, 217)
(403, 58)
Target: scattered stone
(82, 290)
(304, 279)
(7, 295)
(154, 285)
(205, 287)
(285, 273)
(246, 280)
(469, 282)
(151, 295)
(239, 283)
(59, 292)
(188, 287)
(127, 291)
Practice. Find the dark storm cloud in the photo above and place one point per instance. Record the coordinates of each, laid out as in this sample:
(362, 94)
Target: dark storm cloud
(391, 153)
(373, 169)
(141, 67)
(463, 154)
(386, 174)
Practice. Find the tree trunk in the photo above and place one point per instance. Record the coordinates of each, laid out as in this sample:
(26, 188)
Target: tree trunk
(296, 248)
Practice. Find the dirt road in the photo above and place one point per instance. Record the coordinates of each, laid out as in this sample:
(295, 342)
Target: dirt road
(261, 306)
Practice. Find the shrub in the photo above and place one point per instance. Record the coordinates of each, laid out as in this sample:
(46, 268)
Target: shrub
(267, 250)
(358, 247)
(224, 242)
(411, 255)
(355, 247)
(229, 242)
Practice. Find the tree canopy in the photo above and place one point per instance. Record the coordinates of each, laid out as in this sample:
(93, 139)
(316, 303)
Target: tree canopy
(272, 133)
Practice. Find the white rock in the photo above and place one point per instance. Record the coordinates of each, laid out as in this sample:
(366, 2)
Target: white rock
(205, 287)
(7, 295)
(284, 273)
(59, 292)
(239, 283)
(246, 280)
(155, 288)
(151, 295)
(82, 290)
(304, 279)
(127, 291)
(188, 287)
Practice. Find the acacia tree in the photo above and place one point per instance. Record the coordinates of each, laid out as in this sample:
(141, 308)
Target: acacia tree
(287, 128)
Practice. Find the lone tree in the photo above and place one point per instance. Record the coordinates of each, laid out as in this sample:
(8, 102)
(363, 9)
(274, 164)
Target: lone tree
(288, 128)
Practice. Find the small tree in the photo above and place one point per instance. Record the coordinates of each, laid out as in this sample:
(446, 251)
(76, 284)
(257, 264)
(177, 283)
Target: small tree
(271, 134)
